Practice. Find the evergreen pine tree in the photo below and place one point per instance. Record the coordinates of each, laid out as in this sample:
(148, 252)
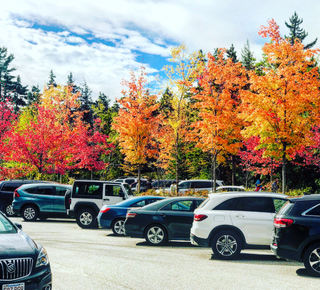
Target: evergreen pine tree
(71, 82)
(52, 79)
(86, 103)
(247, 58)
(297, 32)
(165, 103)
(231, 53)
(6, 79)
(33, 96)
(20, 94)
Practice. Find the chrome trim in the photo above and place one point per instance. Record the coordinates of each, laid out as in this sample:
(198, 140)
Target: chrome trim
(305, 212)
(12, 269)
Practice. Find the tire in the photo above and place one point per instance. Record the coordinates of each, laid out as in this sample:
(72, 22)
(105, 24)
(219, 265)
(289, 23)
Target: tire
(86, 218)
(118, 227)
(30, 213)
(9, 210)
(226, 245)
(156, 235)
(311, 259)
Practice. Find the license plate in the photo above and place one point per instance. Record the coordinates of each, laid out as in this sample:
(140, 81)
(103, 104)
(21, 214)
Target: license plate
(16, 286)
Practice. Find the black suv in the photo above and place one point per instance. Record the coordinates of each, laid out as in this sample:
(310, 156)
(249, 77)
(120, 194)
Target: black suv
(297, 232)
(7, 189)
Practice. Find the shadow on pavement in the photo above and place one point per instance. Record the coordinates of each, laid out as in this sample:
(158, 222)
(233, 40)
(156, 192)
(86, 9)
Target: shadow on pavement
(169, 244)
(304, 273)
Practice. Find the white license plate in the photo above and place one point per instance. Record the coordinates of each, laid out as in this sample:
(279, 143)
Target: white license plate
(16, 286)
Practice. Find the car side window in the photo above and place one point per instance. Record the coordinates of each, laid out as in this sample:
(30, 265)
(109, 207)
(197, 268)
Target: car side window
(184, 205)
(140, 203)
(114, 190)
(60, 191)
(226, 205)
(254, 203)
(31, 190)
(148, 201)
(88, 190)
(278, 203)
(315, 211)
(45, 190)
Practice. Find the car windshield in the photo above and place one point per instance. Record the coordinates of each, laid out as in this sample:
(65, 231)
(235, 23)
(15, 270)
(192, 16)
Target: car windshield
(6, 227)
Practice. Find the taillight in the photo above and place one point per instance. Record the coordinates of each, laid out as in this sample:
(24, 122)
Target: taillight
(103, 210)
(131, 215)
(199, 217)
(16, 194)
(282, 223)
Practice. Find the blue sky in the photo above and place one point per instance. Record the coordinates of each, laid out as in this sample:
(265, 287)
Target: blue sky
(101, 41)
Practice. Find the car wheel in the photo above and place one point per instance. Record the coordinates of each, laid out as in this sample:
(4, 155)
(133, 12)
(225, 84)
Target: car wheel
(9, 210)
(118, 227)
(311, 260)
(86, 218)
(30, 213)
(226, 245)
(156, 235)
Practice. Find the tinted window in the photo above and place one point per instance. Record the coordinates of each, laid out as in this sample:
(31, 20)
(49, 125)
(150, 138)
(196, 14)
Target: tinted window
(45, 190)
(11, 186)
(184, 185)
(226, 205)
(61, 190)
(199, 202)
(286, 207)
(88, 190)
(31, 190)
(5, 226)
(257, 204)
(314, 211)
(113, 190)
(185, 205)
(129, 181)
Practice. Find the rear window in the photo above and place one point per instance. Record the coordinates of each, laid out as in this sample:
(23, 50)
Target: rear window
(286, 207)
(11, 187)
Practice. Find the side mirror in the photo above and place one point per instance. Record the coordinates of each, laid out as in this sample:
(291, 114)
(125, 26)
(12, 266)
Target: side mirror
(19, 226)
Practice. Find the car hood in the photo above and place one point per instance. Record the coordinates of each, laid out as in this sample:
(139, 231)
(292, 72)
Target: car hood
(17, 245)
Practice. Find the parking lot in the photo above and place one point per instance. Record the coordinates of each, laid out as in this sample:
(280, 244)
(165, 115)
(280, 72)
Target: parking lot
(96, 259)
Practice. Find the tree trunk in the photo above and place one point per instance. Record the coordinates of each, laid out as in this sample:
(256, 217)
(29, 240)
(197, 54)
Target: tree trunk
(284, 159)
(233, 169)
(214, 161)
(139, 177)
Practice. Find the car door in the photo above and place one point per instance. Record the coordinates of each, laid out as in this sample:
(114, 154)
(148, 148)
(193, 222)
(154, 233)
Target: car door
(253, 215)
(177, 216)
(58, 202)
(112, 194)
(45, 198)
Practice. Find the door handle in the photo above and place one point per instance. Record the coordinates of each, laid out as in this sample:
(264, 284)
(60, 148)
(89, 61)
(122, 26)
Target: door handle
(162, 214)
(240, 215)
(106, 199)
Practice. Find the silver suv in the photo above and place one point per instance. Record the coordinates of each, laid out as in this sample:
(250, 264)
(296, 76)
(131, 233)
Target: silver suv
(231, 221)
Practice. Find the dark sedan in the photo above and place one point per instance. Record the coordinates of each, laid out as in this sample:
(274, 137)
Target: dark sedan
(113, 216)
(24, 263)
(169, 219)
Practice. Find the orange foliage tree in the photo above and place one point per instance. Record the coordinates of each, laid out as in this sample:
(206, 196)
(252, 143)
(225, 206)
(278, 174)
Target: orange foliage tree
(136, 122)
(282, 104)
(218, 129)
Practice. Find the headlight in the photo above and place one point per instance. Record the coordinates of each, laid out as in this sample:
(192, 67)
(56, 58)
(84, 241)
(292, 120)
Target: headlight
(43, 259)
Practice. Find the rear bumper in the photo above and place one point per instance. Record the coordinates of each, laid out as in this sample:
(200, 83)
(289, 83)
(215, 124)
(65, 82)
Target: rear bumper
(285, 253)
(199, 241)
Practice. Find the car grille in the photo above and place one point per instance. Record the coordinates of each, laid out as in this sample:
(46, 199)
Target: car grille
(11, 269)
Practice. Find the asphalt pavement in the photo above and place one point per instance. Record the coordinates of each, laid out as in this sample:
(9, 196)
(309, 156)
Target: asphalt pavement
(96, 259)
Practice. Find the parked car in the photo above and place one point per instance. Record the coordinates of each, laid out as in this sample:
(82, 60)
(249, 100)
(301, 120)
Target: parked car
(113, 216)
(228, 188)
(7, 189)
(230, 222)
(162, 183)
(143, 185)
(88, 196)
(197, 184)
(24, 263)
(128, 179)
(296, 233)
(168, 219)
(40, 200)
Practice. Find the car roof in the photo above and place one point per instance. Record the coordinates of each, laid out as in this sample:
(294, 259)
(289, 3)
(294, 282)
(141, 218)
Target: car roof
(45, 184)
(308, 197)
(248, 193)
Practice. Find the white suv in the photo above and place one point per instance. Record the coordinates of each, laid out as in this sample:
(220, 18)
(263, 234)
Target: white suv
(232, 221)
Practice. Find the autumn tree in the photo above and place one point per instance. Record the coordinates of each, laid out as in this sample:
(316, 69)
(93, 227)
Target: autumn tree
(218, 129)
(283, 103)
(136, 121)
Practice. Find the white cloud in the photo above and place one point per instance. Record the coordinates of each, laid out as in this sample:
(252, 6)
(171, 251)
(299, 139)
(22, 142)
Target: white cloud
(142, 25)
